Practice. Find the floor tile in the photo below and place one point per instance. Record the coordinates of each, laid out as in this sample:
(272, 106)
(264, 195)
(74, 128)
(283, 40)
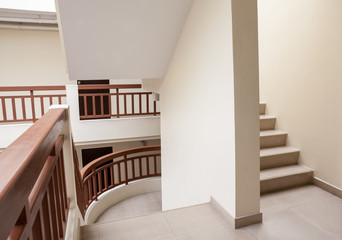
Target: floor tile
(187, 220)
(151, 227)
(221, 232)
(285, 225)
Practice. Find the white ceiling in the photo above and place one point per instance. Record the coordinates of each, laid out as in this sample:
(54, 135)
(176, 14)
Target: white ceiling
(120, 39)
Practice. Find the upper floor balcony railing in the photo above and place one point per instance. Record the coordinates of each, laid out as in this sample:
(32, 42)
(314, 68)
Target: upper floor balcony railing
(28, 103)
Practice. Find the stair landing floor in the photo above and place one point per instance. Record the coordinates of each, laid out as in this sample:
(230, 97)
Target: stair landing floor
(304, 213)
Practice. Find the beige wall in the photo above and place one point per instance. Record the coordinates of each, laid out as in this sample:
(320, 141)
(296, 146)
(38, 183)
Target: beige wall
(202, 155)
(31, 58)
(301, 78)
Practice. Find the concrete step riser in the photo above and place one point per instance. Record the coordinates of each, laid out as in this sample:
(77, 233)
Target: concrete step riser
(280, 160)
(267, 124)
(281, 183)
(273, 141)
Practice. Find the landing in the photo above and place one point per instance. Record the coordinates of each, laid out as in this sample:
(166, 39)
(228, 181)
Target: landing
(132, 207)
(302, 213)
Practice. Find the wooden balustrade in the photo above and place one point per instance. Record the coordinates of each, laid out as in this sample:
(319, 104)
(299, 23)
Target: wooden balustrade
(118, 102)
(119, 168)
(22, 104)
(33, 198)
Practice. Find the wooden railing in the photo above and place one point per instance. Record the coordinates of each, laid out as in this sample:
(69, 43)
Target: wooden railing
(78, 183)
(119, 168)
(33, 198)
(118, 101)
(27, 104)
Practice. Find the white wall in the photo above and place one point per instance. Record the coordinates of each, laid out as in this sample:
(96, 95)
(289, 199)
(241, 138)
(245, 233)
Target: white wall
(301, 78)
(109, 130)
(198, 131)
(10, 132)
(31, 58)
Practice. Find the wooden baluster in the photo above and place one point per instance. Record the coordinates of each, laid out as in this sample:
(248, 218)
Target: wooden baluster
(102, 110)
(148, 165)
(110, 104)
(119, 173)
(4, 109)
(33, 107)
(42, 106)
(155, 108)
(58, 204)
(125, 104)
(117, 103)
(14, 109)
(46, 218)
(106, 179)
(155, 165)
(53, 211)
(140, 104)
(126, 170)
(85, 106)
(94, 109)
(59, 99)
(132, 104)
(94, 184)
(99, 181)
(140, 166)
(23, 107)
(147, 103)
(133, 168)
(50, 100)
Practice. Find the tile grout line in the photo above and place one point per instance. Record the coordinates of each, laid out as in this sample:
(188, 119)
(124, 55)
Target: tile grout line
(175, 235)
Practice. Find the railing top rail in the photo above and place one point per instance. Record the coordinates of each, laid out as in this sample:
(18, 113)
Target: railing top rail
(22, 161)
(97, 162)
(108, 86)
(29, 88)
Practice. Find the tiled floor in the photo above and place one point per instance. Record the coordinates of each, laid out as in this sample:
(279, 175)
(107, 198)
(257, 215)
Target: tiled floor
(134, 206)
(306, 213)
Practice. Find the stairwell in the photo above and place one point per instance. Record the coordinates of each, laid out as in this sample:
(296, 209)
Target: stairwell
(279, 168)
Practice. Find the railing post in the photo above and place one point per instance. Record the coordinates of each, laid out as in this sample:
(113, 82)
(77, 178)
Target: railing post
(32, 106)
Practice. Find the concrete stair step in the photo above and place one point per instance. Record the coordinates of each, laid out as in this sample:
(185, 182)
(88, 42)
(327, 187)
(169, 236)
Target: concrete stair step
(284, 177)
(272, 138)
(262, 108)
(267, 122)
(278, 157)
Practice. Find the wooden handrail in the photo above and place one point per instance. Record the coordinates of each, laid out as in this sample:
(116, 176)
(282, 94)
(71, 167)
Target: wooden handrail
(108, 86)
(119, 168)
(30, 88)
(101, 160)
(20, 167)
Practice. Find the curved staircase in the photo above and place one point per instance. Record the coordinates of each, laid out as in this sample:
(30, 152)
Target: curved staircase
(279, 168)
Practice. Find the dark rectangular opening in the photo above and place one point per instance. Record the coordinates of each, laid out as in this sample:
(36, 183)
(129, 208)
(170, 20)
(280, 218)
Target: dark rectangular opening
(97, 102)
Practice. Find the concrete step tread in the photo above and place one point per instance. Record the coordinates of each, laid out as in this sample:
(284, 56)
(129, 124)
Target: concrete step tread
(277, 151)
(278, 172)
(267, 117)
(266, 133)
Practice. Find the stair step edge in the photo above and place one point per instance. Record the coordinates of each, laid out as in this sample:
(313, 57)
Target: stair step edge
(276, 151)
(303, 170)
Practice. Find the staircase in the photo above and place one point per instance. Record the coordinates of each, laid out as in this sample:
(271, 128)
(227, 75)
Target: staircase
(279, 167)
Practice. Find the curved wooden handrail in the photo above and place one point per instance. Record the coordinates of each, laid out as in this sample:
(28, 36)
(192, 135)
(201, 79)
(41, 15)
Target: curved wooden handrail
(119, 168)
(99, 161)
